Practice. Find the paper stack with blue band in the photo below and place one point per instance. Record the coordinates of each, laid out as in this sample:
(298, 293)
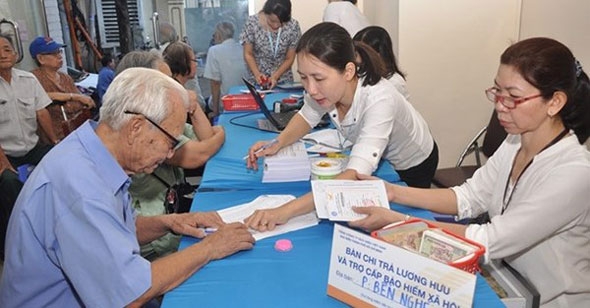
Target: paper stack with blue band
(43, 44)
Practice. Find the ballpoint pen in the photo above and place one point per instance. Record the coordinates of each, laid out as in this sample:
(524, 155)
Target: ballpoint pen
(208, 230)
(264, 147)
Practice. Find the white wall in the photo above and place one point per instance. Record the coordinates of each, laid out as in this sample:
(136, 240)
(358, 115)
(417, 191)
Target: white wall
(450, 51)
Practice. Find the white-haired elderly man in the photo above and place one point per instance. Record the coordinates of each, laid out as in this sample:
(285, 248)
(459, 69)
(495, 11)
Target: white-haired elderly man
(73, 239)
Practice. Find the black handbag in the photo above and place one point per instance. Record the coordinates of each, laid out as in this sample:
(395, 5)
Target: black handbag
(178, 196)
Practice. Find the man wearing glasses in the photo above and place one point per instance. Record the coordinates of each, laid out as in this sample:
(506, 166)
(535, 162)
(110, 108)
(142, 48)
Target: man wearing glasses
(73, 239)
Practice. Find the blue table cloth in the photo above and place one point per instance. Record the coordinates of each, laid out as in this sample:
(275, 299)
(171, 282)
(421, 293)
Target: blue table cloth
(263, 277)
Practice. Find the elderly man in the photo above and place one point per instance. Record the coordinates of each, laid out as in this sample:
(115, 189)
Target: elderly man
(225, 65)
(73, 239)
(22, 106)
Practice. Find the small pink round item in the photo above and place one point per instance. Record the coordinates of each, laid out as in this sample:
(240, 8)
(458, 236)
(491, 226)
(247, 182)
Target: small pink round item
(283, 245)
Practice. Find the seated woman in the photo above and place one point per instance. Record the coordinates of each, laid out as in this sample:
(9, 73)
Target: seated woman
(59, 86)
(380, 41)
(363, 106)
(536, 186)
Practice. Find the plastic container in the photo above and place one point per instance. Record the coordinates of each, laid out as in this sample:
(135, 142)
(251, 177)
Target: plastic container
(239, 102)
(470, 264)
(325, 168)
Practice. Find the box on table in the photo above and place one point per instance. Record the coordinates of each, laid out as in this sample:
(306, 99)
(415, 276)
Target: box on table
(239, 102)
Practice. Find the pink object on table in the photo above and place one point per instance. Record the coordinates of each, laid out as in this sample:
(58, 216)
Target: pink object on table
(283, 245)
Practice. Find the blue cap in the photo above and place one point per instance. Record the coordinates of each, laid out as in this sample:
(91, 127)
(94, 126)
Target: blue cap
(43, 44)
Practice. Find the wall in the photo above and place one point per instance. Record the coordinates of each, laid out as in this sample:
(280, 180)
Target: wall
(450, 52)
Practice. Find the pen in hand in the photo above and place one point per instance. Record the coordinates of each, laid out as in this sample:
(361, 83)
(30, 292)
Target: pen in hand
(208, 230)
(264, 147)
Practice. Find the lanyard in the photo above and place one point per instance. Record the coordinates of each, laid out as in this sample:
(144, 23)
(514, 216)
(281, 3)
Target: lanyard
(552, 142)
(276, 48)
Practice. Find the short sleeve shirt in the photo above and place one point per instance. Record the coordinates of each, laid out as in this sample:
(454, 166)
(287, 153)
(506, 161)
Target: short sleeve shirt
(19, 102)
(270, 48)
(72, 239)
(225, 63)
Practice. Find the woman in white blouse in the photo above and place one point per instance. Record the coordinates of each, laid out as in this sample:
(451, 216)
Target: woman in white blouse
(536, 186)
(380, 41)
(363, 106)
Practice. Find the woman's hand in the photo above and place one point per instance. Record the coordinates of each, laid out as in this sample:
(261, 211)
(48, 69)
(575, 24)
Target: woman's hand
(260, 149)
(377, 217)
(87, 101)
(267, 220)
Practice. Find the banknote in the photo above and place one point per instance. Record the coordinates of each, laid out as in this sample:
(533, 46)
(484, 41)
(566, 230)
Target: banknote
(443, 247)
(407, 235)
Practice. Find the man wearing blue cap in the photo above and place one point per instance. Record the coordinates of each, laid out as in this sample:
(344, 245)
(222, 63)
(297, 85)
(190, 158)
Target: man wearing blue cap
(22, 106)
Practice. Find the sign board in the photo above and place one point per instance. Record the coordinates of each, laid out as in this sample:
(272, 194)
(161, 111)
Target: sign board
(367, 272)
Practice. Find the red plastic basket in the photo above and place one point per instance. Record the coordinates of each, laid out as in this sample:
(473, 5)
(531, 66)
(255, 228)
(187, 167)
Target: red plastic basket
(239, 102)
(470, 265)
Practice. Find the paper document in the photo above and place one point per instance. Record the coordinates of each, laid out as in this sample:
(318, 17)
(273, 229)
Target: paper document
(289, 164)
(334, 199)
(240, 212)
(326, 141)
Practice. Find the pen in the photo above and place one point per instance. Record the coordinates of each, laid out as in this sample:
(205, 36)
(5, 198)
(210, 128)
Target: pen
(264, 147)
(208, 230)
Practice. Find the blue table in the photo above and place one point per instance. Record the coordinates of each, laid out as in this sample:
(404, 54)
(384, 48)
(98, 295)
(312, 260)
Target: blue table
(227, 169)
(263, 277)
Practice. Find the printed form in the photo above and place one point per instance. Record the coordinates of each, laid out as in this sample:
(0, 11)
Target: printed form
(334, 199)
(240, 212)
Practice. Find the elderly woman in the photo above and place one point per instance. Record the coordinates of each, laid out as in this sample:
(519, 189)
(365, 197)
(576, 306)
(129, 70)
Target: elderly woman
(59, 86)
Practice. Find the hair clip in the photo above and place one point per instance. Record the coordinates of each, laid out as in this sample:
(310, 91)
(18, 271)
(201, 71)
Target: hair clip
(578, 68)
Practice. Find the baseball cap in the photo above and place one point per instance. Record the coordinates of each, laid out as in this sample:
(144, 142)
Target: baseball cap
(43, 44)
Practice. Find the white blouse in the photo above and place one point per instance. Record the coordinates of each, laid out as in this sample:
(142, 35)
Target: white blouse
(380, 123)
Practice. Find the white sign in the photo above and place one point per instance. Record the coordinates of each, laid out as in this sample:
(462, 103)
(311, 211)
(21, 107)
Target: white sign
(367, 272)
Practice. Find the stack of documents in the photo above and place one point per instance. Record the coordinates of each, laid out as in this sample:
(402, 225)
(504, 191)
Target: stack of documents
(334, 199)
(290, 164)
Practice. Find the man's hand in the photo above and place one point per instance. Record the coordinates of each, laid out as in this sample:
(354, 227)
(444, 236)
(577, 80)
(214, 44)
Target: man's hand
(228, 239)
(5, 163)
(192, 224)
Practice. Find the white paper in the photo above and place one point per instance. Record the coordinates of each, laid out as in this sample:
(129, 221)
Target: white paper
(326, 141)
(290, 164)
(240, 212)
(334, 199)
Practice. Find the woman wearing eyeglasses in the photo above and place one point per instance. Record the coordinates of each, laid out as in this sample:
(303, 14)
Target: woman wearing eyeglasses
(269, 38)
(59, 86)
(536, 186)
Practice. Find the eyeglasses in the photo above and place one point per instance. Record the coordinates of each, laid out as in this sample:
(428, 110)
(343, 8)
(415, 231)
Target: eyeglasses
(174, 141)
(507, 101)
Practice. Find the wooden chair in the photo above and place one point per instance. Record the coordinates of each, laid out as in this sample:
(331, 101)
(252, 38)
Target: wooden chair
(492, 134)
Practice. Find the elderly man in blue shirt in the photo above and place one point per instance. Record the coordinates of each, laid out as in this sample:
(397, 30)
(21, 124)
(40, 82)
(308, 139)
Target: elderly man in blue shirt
(73, 238)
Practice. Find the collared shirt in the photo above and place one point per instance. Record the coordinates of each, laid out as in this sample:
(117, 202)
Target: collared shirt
(71, 239)
(19, 102)
(379, 123)
(544, 231)
(225, 63)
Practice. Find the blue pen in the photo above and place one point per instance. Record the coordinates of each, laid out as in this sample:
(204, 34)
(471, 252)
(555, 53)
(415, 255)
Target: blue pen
(209, 230)
(264, 147)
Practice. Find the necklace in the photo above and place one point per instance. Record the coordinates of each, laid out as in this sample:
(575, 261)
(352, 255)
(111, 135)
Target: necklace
(552, 142)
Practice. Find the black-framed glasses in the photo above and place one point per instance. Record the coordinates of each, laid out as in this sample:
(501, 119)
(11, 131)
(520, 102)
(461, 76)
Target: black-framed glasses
(507, 101)
(174, 141)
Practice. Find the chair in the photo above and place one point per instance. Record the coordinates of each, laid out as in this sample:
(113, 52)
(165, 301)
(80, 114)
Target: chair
(493, 135)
